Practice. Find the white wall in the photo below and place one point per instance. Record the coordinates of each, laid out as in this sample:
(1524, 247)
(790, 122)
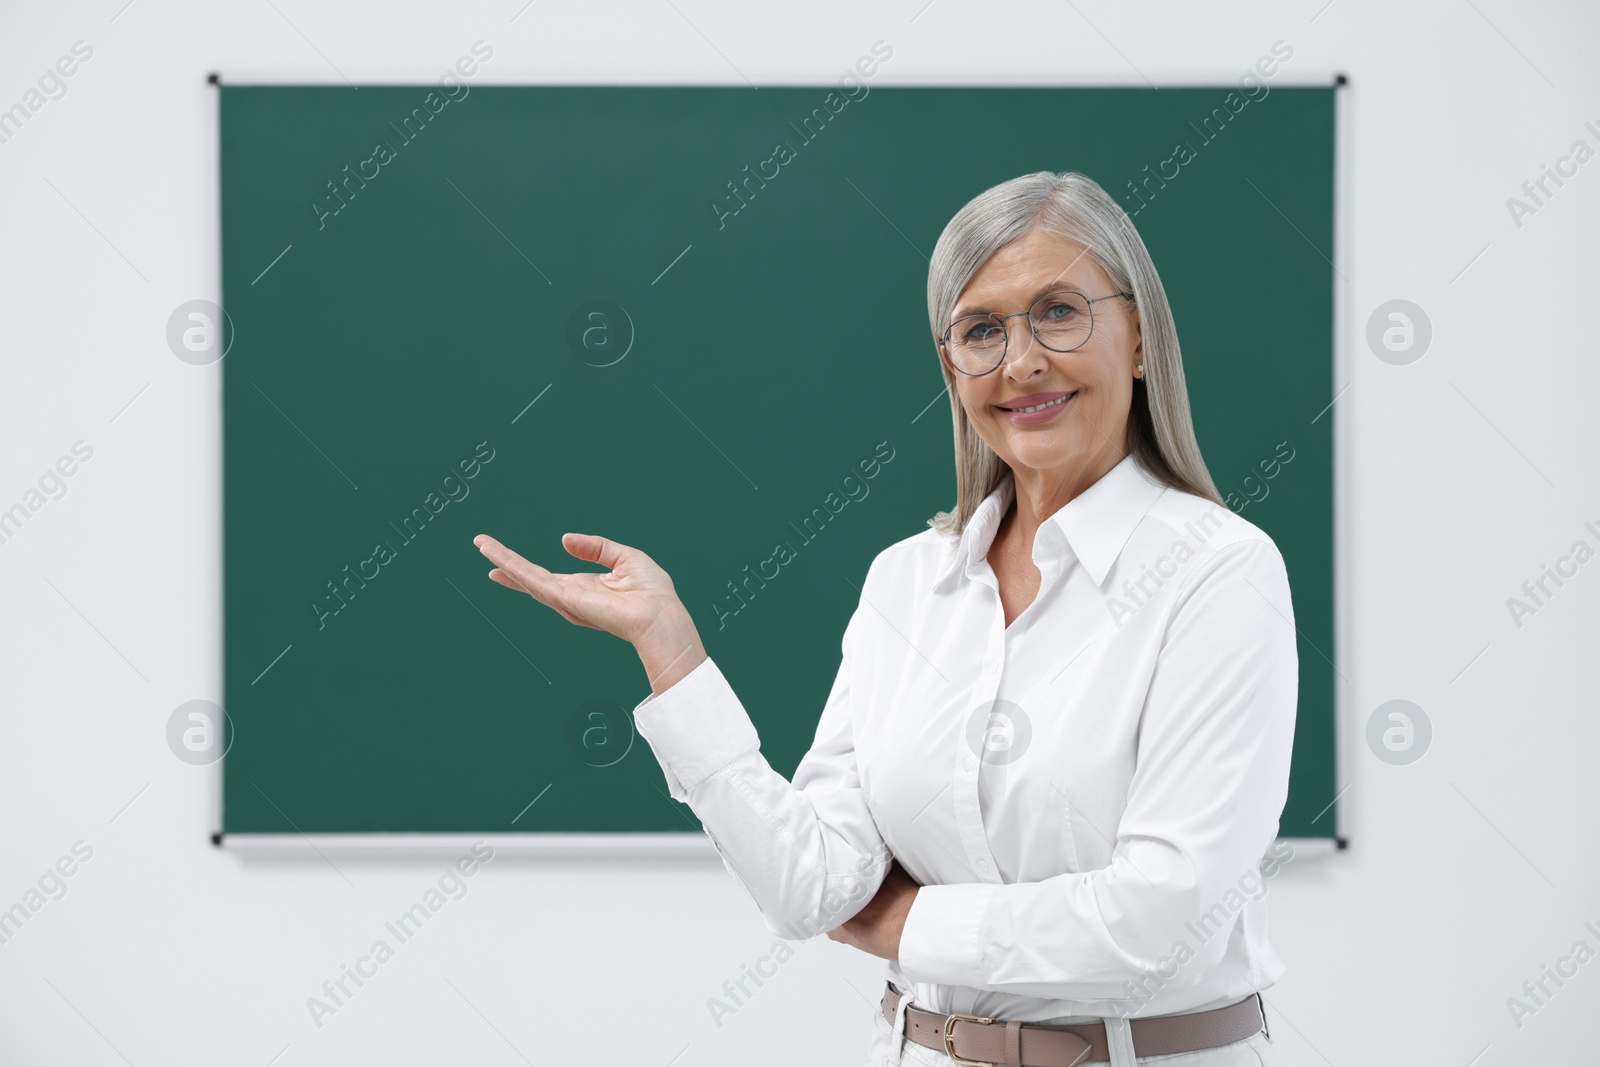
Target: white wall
(1468, 470)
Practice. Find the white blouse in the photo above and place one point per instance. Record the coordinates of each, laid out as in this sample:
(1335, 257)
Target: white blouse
(1086, 797)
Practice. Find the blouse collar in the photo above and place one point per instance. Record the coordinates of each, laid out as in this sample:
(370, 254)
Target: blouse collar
(1094, 525)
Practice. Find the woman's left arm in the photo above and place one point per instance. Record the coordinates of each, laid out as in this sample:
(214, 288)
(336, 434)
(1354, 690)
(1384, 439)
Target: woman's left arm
(1209, 784)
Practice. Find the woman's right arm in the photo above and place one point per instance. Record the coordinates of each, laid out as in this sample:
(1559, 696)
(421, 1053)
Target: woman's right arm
(807, 852)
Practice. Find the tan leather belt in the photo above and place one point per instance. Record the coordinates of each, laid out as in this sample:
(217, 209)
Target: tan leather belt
(985, 1042)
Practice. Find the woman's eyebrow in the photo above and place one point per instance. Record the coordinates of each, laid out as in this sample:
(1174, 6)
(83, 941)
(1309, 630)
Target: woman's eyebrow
(1049, 287)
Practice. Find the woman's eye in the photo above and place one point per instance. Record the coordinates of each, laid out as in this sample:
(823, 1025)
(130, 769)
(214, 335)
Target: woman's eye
(1058, 312)
(982, 331)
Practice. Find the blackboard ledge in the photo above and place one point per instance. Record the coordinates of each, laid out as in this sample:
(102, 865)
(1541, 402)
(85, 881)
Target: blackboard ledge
(1318, 845)
(669, 843)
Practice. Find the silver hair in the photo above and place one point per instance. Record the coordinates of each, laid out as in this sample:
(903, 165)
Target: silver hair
(1071, 205)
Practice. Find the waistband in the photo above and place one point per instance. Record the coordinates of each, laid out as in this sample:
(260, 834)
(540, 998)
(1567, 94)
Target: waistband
(982, 1041)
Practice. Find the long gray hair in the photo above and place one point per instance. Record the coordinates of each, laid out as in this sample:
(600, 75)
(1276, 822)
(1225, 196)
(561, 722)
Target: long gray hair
(1071, 205)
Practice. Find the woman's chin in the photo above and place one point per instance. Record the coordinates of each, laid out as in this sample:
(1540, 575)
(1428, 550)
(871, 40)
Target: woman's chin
(1041, 447)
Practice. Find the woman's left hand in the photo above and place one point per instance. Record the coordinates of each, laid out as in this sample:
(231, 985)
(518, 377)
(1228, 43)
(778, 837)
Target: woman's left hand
(876, 928)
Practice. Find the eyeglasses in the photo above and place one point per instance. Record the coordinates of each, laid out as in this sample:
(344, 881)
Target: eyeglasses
(1061, 321)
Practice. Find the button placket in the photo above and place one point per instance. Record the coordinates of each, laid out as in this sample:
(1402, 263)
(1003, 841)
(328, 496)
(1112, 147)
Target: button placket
(969, 810)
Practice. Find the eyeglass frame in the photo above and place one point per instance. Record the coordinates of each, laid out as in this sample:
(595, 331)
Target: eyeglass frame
(944, 346)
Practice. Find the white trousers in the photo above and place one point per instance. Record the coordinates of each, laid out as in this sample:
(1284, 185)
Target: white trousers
(888, 1049)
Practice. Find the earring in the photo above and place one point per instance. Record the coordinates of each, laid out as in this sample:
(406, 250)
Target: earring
(1140, 369)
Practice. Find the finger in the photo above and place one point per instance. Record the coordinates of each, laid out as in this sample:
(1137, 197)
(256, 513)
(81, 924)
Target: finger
(509, 580)
(534, 579)
(596, 549)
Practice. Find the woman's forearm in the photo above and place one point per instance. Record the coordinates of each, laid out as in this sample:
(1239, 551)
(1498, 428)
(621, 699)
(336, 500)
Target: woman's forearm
(808, 850)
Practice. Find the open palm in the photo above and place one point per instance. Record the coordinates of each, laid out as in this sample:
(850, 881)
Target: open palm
(633, 600)
(627, 600)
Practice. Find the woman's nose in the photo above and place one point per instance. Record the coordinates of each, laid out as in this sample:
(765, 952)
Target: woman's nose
(1022, 347)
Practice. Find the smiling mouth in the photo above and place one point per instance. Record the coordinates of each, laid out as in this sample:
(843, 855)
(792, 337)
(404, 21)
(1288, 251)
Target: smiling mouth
(1057, 402)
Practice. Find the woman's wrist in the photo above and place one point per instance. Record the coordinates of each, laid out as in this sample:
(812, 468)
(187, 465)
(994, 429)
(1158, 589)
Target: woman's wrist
(670, 650)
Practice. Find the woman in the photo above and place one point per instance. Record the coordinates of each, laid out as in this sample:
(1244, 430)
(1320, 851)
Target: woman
(1052, 762)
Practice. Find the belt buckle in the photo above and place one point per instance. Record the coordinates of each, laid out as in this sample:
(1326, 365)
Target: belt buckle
(949, 1036)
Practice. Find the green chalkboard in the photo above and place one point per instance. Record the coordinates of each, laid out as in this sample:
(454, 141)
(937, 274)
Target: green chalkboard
(527, 310)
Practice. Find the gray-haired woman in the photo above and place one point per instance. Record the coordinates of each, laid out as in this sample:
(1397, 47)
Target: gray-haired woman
(1046, 783)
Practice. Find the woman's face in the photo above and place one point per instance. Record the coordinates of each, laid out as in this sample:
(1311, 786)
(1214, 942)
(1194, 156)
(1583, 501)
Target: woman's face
(1092, 424)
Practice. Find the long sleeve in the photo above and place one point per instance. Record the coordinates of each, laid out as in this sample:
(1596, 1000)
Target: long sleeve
(808, 853)
(1210, 780)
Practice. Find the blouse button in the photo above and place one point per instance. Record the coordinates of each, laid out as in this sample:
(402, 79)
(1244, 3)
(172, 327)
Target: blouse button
(983, 865)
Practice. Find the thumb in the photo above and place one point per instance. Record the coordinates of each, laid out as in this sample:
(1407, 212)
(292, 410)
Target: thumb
(594, 549)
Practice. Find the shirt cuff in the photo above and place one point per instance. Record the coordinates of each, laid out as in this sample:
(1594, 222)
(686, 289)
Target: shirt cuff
(940, 941)
(695, 728)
